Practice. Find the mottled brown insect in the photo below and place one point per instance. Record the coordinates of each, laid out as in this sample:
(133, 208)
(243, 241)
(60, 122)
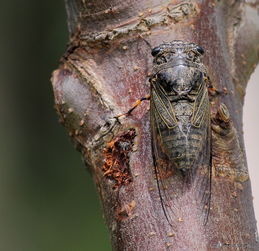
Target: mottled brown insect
(180, 114)
(180, 123)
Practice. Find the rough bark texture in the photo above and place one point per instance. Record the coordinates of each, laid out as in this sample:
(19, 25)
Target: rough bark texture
(105, 70)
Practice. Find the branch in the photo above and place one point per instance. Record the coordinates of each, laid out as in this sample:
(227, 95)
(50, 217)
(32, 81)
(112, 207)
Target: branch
(105, 70)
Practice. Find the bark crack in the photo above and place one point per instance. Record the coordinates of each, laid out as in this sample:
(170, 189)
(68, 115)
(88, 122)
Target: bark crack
(163, 16)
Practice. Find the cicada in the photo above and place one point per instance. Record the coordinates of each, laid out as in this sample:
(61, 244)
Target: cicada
(180, 119)
(180, 125)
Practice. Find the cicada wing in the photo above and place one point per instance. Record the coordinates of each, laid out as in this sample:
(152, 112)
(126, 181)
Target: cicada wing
(203, 163)
(205, 184)
(201, 111)
(162, 118)
(204, 179)
(163, 107)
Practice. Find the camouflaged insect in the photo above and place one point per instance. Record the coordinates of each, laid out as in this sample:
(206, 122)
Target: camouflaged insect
(180, 111)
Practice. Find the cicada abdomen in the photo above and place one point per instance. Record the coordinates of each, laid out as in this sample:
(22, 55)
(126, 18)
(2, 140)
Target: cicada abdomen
(180, 116)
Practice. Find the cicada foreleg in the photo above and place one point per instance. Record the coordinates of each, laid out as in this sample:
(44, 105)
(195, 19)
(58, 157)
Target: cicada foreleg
(213, 91)
(137, 103)
(110, 125)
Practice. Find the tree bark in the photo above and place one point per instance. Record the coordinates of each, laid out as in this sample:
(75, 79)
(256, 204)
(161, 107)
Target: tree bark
(105, 70)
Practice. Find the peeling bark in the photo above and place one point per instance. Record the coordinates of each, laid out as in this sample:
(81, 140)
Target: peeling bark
(105, 70)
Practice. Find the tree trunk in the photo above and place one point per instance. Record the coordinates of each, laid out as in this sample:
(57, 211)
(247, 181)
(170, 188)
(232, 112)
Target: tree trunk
(105, 70)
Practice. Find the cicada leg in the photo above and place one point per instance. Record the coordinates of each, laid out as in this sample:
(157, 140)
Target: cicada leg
(213, 91)
(137, 103)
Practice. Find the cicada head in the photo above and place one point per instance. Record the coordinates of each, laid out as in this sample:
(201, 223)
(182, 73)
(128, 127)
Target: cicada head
(177, 50)
(178, 66)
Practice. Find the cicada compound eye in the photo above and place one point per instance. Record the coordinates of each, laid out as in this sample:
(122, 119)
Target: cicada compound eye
(200, 50)
(155, 51)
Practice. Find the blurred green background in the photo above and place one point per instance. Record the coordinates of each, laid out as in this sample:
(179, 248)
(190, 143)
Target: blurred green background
(47, 198)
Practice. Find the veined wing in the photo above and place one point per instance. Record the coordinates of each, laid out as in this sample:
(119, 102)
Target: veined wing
(201, 107)
(162, 163)
(163, 106)
(163, 118)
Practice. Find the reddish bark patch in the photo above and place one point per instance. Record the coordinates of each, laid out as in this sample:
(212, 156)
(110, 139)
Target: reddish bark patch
(116, 166)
